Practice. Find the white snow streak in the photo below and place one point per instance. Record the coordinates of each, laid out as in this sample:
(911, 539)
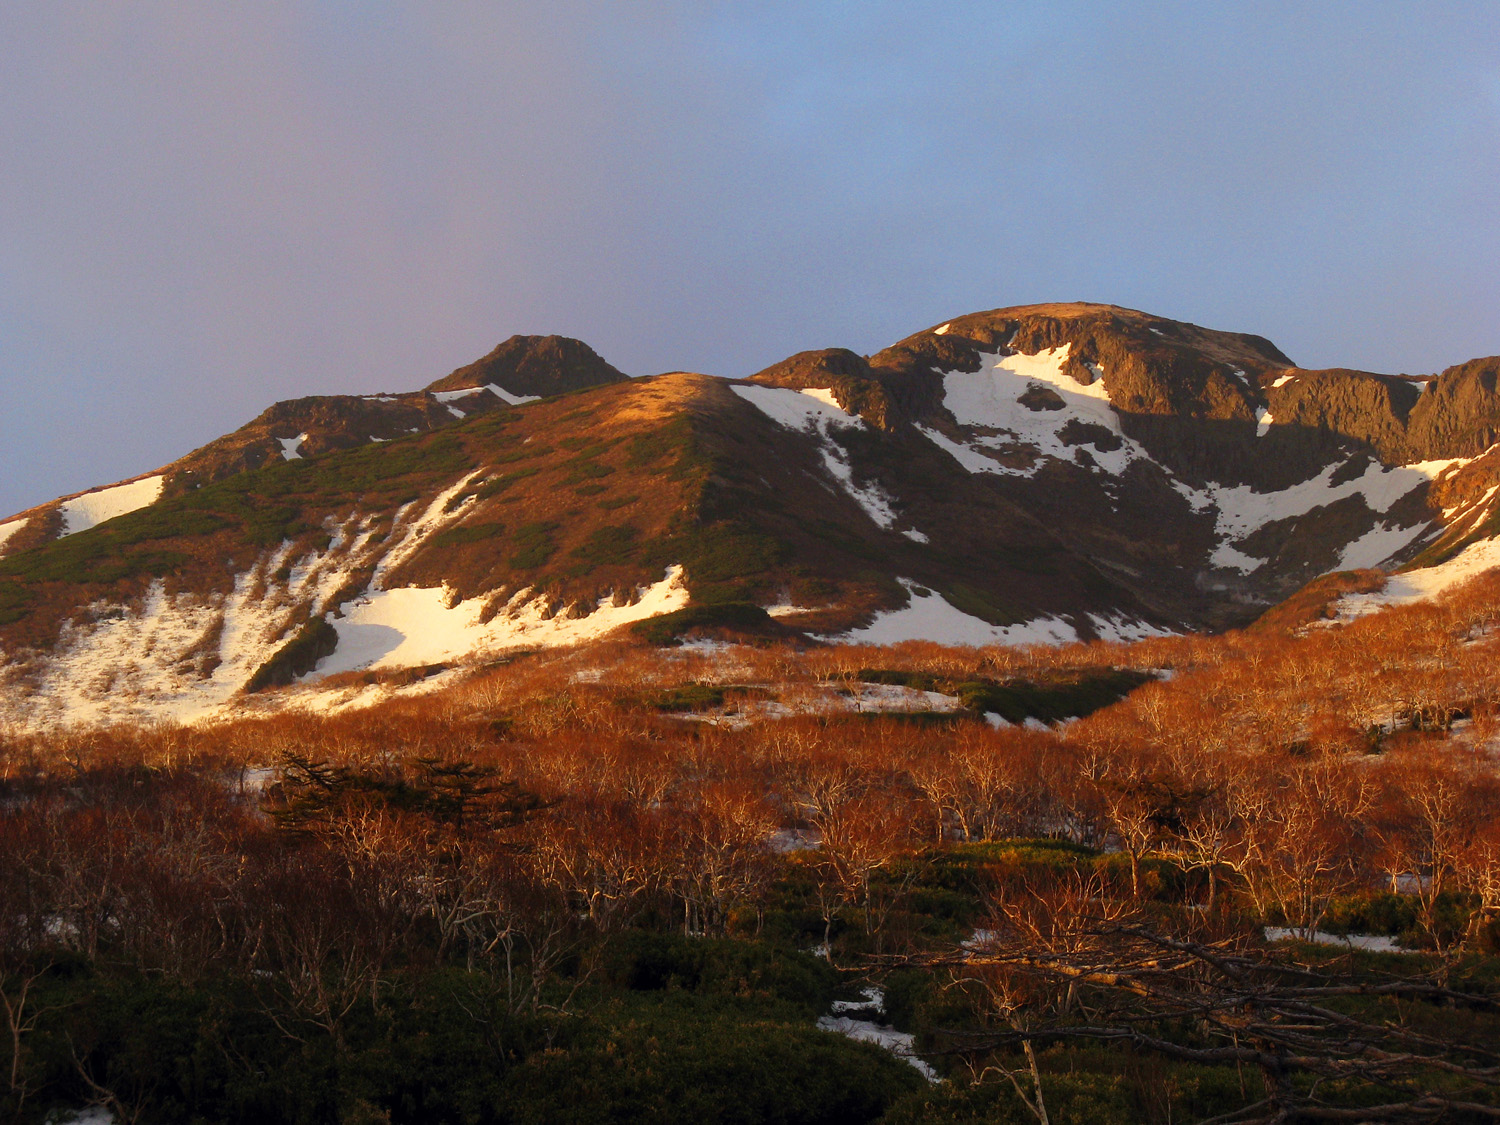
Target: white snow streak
(9, 529)
(816, 410)
(445, 397)
(505, 396)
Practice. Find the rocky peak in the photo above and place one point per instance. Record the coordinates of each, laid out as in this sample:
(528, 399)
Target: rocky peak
(534, 366)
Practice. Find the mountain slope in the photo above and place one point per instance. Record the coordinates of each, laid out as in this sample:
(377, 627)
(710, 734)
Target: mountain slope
(1044, 473)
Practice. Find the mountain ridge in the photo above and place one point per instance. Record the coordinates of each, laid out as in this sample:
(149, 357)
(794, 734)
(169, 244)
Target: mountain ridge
(1028, 474)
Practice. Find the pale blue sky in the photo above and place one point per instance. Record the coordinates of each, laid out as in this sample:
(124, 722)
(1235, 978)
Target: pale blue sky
(204, 208)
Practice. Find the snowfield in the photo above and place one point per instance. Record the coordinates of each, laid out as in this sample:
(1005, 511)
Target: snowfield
(93, 508)
(990, 401)
(990, 405)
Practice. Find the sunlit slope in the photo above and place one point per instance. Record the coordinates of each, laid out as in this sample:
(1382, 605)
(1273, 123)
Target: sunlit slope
(1041, 474)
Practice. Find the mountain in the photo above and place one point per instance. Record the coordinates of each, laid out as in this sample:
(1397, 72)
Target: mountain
(1044, 473)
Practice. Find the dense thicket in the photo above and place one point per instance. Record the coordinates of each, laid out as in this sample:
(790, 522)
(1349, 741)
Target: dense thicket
(624, 883)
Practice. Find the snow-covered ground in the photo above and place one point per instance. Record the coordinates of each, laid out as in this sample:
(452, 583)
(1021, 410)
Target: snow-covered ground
(93, 1115)
(990, 405)
(93, 508)
(505, 396)
(182, 656)
(828, 699)
(1240, 510)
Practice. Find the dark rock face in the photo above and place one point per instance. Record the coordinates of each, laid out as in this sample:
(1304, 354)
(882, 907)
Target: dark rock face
(535, 365)
(1459, 413)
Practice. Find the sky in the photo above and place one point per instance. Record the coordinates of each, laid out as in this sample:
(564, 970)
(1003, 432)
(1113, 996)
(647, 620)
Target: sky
(206, 208)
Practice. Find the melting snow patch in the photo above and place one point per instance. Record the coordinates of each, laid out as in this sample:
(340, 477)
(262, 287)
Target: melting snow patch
(928, 616)
(898, 1043)
(410, 625)
(1374, 943)
(93, 508)
(9, 529)
(93, 1115)
(291, 447)
(1120, 629)
(1376, 545)
(824, 395)
(941, 330)
(1282, 381)
(1263, 421)
(915, 536)
(815, 410)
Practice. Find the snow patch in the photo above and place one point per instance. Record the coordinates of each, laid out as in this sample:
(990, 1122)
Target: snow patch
(796, 410)
(1374, 943)
(93, 508)
(1263, 421)
(942, 329)
(915, 536)
(1119, 629)
(445, 397)
(1376, 545)
(824, 395)
(815, 410)
(291, 447)
(1282, 381)
(928, 616)
(9, 529)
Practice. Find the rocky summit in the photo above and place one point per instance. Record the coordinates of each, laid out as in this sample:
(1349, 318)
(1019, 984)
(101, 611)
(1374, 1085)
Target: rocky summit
(1038, 474)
